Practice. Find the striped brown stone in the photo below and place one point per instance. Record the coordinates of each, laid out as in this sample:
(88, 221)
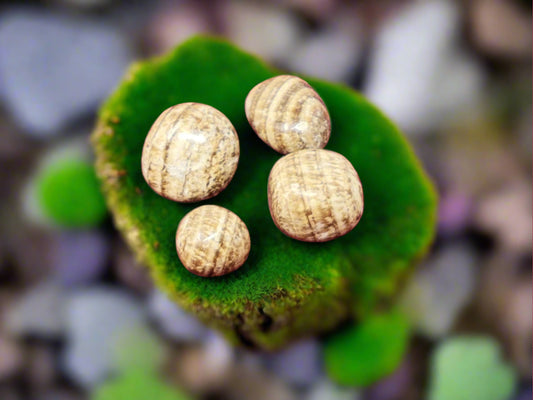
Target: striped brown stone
(190, 153)
(212, 241)
(288, 115)
(315, 195)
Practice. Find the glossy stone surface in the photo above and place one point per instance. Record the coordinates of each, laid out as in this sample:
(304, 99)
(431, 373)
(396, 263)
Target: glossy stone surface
(190, 153)
(288, 115)
(315, 195)
(212, 241)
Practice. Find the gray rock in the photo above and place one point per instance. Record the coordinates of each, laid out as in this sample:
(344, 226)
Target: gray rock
(299, 364)
(129, 271)
(332, 53)
(173, 320)
(207, 368)
(97, 320)
(80, 257)
(262, 28)
(56, 68)
(418, 76)
(440, 290)
(38, 312)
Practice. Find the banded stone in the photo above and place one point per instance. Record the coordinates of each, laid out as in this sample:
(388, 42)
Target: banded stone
(288, 115)
(315, 195)
(190, 153)
(212, 241)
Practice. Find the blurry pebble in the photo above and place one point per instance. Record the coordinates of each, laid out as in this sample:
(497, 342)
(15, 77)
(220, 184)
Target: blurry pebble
(206, 368)
(455, 210)
(299, 364)
(394, 386)
(139, 349)
(262, 28)
(458, 86)
(173, 320)
(409, 70)
(470, 367)
(326, 390)
(38, 312)
(504, 303)
(254, 383)
(501, 28)
(57, 68)
(10, 358)
(219, 355)
(440, 289)
(29, 248)
(95, 319)
(129, 272)
(507, 214)
(476, 153)
(332, 53)
(80, 257)
(41, 367)
(172, 24)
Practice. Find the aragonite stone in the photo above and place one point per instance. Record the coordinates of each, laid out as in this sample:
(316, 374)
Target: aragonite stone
(315, 195)
(212, 241)
(190, 153)
(288, 115)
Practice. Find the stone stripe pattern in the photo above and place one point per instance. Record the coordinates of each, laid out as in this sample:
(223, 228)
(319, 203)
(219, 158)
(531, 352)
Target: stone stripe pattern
(212, 241)
(190, 153)
(288, 115)
(315, 195)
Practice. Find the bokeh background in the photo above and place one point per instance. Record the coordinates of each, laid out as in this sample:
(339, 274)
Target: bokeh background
(76, 310)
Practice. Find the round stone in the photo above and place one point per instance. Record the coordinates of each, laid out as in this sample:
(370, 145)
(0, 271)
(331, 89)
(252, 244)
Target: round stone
(190, 153)
(315, 195)
(212, 241)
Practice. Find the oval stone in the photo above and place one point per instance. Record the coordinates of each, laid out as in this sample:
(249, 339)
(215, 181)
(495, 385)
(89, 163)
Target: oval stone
(288, 115)
(315, 195)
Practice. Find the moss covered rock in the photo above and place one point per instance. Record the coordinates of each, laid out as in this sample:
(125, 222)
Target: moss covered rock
(286, 289)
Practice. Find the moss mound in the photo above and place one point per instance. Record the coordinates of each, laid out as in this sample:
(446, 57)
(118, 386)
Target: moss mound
(69, 195)
(286, 289)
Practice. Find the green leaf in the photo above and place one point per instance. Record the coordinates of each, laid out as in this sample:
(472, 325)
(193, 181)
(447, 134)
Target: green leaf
(470, 368)
(69, 195)
(361, 354)
(137, 385)
(286, 289)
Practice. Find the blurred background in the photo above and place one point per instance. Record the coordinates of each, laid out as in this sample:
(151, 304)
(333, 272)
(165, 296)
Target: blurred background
(79, 318)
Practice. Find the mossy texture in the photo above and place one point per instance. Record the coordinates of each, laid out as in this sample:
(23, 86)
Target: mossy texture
(363, 353)
(286, 289)
(69, 195)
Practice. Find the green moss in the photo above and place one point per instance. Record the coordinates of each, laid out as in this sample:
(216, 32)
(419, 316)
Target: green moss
(361, 354)
(287, 288)
(68, 194)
